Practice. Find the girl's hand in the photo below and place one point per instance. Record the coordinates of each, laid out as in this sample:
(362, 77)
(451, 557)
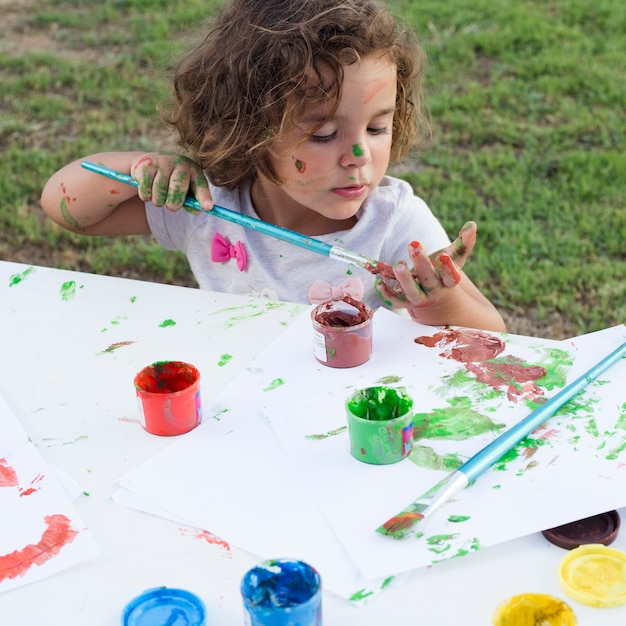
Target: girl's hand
(167, 179)
(432, 278)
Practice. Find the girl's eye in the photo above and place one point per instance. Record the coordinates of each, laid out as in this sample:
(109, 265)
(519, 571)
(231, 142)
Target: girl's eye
(378, 131)
(323, 138)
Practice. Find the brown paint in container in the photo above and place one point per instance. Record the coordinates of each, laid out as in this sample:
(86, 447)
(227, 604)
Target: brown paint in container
(342, 332)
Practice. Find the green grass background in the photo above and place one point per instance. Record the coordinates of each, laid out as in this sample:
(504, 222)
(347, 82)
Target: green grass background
(527, 104)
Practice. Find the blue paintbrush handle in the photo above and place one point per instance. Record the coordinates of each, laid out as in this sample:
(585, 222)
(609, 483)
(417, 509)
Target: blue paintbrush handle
(484, 459)
(278, 232)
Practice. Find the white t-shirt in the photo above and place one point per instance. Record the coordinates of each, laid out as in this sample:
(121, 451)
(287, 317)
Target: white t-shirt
(388, 220)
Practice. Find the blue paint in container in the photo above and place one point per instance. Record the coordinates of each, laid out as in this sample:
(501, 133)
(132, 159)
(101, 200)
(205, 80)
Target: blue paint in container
(282, 592)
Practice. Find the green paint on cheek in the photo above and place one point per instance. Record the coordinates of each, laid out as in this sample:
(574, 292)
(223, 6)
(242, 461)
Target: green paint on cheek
(357, 150)
(225, 358)
(458, 518)
(277, 382)
(16, 279)
(166, 323)
(68, 290)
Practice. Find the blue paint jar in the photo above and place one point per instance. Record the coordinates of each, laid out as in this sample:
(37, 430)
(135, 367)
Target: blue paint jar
(163, 605)
(282, 592)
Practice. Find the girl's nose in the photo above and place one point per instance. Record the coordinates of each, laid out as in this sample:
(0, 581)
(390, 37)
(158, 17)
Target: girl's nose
(356, 154)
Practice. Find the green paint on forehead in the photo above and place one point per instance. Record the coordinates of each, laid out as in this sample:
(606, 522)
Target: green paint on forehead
(16, 279)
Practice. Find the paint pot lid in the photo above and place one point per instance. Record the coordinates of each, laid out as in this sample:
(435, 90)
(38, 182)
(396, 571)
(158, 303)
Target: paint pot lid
(161, 605)
(594, 575)
(534, 608)
(601, 528)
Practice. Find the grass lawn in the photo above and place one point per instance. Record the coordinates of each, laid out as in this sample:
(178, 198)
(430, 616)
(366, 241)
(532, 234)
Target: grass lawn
(527, 104)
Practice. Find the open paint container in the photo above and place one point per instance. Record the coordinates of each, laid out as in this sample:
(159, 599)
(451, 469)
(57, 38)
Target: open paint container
(380, 425)
(169, 397)
(342, 332)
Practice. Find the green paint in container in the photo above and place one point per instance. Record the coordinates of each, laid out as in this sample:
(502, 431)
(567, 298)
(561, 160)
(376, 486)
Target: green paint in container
(380, 424)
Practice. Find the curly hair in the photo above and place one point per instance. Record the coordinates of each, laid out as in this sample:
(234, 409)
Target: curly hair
(250, 80)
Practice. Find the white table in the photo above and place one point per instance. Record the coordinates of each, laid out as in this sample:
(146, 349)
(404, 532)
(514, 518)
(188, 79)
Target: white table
(73, 393)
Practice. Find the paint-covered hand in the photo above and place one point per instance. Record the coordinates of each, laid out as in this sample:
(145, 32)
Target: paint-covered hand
(427, 283)
(167, 179)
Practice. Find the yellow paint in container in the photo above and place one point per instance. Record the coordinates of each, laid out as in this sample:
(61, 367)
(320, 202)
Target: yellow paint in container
(594, 575)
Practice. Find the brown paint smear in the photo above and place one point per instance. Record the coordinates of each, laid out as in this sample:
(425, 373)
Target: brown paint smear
(477, 349)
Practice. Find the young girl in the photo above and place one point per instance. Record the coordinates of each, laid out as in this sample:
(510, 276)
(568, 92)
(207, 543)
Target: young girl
(293, 110)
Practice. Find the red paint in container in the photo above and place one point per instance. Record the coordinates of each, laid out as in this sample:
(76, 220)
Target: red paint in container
(342, 332)
(169, 397)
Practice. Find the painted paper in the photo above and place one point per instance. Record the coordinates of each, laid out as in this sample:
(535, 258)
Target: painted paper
(40, 531)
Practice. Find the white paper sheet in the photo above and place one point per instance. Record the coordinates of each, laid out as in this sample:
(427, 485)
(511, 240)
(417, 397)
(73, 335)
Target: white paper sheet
(262, 497)
(40, 531)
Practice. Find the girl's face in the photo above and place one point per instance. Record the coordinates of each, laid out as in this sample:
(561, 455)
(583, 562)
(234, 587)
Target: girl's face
(327, 176)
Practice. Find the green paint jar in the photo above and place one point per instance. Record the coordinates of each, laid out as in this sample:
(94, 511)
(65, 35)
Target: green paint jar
(380, 425)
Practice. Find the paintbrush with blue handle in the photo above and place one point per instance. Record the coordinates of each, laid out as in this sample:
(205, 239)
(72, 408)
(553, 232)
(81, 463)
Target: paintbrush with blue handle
(402, 524)
(297, 239)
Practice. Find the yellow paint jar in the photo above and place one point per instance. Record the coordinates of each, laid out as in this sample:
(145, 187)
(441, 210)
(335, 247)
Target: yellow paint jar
(594, 575)
(534, 609)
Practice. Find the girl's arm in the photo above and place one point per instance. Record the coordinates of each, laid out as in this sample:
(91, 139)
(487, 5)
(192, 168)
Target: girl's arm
(91, 204)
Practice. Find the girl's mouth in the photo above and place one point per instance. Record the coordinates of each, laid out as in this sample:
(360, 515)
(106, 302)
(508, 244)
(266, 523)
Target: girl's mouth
(354, 191)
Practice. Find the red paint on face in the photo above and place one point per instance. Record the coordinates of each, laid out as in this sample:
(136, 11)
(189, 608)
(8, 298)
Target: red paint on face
(8, 477)
(465, 346)
(57, 535)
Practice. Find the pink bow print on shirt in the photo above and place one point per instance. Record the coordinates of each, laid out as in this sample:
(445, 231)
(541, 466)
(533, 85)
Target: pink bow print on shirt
(321, 291)
(222, 251)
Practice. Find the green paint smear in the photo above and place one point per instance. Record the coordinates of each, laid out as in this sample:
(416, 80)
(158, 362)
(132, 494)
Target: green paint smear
(361, 594)
(166, 323)
(330, 433)
(389, 380)
(457, 422)
(426, 457)
(16, 279)
(357, 150)
(67, 216)
(68, 291)
(224, 359)
(458, 518)
(133, 299)
(277, 382)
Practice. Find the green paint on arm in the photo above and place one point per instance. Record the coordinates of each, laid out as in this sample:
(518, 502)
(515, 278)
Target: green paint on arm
(166, 323)
(67, 216)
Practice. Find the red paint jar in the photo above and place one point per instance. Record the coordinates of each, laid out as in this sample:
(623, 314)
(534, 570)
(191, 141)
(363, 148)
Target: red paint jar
(169, 397)
(342, 332)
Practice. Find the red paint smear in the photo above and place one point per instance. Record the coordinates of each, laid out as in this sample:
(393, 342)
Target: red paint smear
(35, 485)
(114, 191)
(68, 199)
(145, 159)
(211, 538)
(57, 534)
(8, 477)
